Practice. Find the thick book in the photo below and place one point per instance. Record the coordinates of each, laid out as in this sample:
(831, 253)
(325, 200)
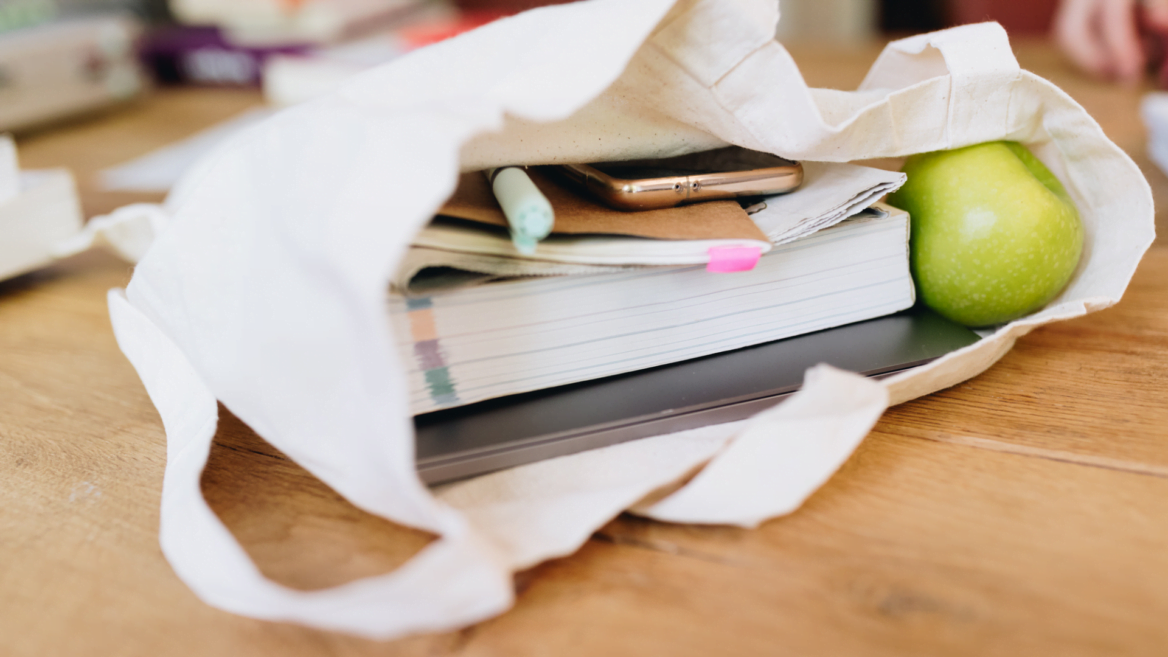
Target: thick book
(508, 337)
(266, 22)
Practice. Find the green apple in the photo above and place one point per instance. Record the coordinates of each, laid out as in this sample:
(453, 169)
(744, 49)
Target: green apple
(995, 235)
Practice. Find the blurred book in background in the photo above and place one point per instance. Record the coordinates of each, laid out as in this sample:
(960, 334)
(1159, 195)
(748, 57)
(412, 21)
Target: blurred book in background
(294, 77)
(831, 21)
(259, 23)
(305, 50)
(203, 54)
(52, 66)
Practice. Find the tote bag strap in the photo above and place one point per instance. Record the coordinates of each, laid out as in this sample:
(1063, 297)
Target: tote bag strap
(466, 582)
(982, 70)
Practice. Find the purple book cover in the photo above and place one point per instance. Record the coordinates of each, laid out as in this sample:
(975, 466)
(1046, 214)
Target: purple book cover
(201, 55)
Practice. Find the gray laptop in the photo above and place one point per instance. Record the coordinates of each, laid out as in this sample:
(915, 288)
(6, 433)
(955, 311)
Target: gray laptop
(509, 431)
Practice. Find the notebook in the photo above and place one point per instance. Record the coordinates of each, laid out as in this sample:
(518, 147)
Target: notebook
(590, 235)
(502, 338)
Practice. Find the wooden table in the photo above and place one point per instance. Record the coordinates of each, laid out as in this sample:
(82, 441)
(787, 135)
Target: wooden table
(1023, 512)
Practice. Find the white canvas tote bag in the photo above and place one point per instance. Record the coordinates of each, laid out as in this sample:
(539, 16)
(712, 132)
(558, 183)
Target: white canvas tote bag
(265, 287)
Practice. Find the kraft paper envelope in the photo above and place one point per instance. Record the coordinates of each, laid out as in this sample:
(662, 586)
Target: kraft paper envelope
(576, 214)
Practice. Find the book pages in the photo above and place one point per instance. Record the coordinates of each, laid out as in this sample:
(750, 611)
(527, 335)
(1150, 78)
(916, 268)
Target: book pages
(488, 341)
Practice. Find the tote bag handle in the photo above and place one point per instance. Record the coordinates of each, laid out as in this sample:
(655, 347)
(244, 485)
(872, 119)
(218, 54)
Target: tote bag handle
(983, 75)
(467, 585)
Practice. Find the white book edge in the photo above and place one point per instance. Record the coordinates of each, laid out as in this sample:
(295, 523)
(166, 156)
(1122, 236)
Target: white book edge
(479, 343)
(581, 249)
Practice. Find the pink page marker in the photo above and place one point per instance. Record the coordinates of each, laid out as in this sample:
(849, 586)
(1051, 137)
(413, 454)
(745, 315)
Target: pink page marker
(725, 259)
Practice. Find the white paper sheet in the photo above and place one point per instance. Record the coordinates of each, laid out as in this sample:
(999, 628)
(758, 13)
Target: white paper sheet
(159, 170)
(831, 192)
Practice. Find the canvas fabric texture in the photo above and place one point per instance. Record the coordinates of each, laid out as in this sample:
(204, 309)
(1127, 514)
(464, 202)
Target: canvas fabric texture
(266, 289)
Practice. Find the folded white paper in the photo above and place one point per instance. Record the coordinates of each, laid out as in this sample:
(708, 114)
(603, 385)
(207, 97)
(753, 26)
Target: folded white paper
(267, 290)
(830, 194)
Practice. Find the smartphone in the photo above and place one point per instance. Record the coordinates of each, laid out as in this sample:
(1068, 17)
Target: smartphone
(724, 173)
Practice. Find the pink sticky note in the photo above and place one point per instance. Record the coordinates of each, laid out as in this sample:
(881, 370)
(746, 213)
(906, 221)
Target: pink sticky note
(733, 258)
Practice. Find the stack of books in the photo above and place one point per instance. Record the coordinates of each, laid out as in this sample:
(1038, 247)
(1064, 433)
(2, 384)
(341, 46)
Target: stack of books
(477, 320)
(66, 66)
(294, 77)
(296, 51)
(267, 22)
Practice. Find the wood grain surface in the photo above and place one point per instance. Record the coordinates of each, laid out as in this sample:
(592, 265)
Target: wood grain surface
(1022, 512)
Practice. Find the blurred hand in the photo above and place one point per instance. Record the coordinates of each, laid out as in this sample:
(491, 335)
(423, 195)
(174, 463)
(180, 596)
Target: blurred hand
(1103, 36)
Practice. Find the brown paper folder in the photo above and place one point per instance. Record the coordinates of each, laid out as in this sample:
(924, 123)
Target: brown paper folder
(577, 214)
